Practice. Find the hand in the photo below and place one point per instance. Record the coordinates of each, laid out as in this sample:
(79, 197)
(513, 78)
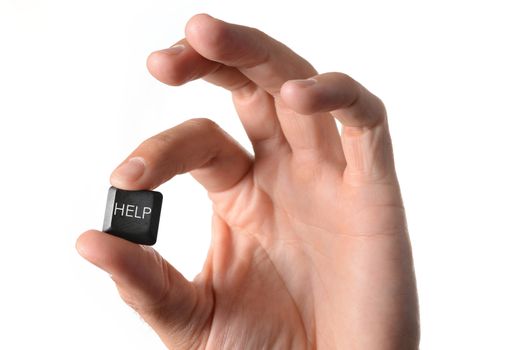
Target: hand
(310, 247)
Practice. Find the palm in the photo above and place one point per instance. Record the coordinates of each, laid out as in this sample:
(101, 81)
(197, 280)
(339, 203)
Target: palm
(274, 268)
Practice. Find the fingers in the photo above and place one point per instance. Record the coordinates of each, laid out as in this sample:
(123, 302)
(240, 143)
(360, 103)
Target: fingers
(267, 64)
(181, 63)
(265, 61)
(160, 294)
(365, 136)
(216, 160)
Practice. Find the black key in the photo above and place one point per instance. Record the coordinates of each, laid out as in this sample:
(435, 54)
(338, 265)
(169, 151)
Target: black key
(133, 215)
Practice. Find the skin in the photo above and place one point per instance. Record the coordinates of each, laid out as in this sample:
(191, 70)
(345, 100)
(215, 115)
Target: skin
(309, 241)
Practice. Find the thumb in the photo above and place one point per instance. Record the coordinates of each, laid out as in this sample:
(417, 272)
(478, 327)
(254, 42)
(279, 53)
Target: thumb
(175, 308)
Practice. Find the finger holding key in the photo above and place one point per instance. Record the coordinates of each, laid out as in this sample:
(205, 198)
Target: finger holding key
(198, 146)
(174, 307)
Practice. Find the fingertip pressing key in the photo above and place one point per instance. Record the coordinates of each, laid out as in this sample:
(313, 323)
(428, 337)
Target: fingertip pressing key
(130, 171)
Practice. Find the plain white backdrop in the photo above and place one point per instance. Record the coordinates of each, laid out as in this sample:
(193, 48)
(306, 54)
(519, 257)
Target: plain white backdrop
(75, 98)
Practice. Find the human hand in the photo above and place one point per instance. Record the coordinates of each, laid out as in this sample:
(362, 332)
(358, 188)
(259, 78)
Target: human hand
(309, 241)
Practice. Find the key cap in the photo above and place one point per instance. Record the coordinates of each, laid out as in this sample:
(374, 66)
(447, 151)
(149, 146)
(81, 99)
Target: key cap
(133, 215)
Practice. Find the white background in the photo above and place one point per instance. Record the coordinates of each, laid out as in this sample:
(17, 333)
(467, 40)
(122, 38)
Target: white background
(75, 98)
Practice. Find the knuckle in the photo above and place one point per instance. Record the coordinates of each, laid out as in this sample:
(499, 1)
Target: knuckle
(202, 123)
(166, 139)
(158, 142)
(204, 127)
(344, 76)
(380, 109)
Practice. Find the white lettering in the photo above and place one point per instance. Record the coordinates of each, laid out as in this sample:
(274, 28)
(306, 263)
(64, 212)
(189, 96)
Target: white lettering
(117, 208)
(129, 209)
(146, 211)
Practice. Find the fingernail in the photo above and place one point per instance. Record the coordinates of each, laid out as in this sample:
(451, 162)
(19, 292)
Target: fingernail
(131, 170)
(305, 82)
(175, 49)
